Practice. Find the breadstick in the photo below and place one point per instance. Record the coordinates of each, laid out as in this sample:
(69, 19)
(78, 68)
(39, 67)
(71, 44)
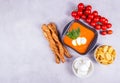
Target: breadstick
(67, 54)
(51, 34)
(54, 28)
(52, 43)
(56, 39)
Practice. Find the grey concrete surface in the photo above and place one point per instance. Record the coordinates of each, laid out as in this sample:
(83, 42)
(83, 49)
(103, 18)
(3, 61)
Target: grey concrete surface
(25, 56)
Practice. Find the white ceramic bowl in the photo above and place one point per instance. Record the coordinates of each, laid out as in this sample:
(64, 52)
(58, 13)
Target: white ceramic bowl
(95, 55)
(90, 71)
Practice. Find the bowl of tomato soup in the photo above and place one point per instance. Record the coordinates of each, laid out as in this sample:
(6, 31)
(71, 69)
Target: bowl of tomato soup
(79, 36)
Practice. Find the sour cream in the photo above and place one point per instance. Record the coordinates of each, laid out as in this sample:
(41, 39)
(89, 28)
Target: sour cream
(82, 67)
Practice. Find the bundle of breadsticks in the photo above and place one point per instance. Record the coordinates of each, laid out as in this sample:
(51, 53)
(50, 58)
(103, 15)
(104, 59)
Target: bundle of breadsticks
(51, 34)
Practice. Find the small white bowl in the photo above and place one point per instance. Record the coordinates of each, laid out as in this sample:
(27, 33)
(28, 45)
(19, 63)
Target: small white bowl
(90, 71)
(95, 55)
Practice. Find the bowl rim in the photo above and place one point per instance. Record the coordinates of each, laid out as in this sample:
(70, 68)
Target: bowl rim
(93, 42)
(90, 72)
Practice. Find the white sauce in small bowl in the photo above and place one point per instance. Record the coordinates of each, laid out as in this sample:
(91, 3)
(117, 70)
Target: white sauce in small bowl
(82, 67)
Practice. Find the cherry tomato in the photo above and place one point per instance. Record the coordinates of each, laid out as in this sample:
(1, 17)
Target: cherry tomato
(93, 23)
(96, 19)
(83, 17)
(77, 17)
(88, 11)
(103, 27)
(109, 25)
(91, 16)
(74, 13)
(81, 6)
(89, 7)
(103, 32)
(95, 13)
(109, 32)
(97, 27)
(88, 20)
(106, 21)
(79, 12)
(102, 19)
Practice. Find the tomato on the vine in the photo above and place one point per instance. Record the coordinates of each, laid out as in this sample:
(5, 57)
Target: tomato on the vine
(74, 13)
(93, 23)
(96, 19)
(102, 19)
(109, 32)
(88, 11)
(81, 6)
(79, 12)
(98, 27)
(77, 17)
(103, 27)
(88, 20)
(103, 32)
(95, 13)
(106, 21)
(88, 7)
(83, 17)
(109, 25)
(91, 16)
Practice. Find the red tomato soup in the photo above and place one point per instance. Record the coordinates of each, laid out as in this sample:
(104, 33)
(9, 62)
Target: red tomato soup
(84, 32)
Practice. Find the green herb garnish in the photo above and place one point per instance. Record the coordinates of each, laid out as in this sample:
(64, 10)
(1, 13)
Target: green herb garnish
(73, 34)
